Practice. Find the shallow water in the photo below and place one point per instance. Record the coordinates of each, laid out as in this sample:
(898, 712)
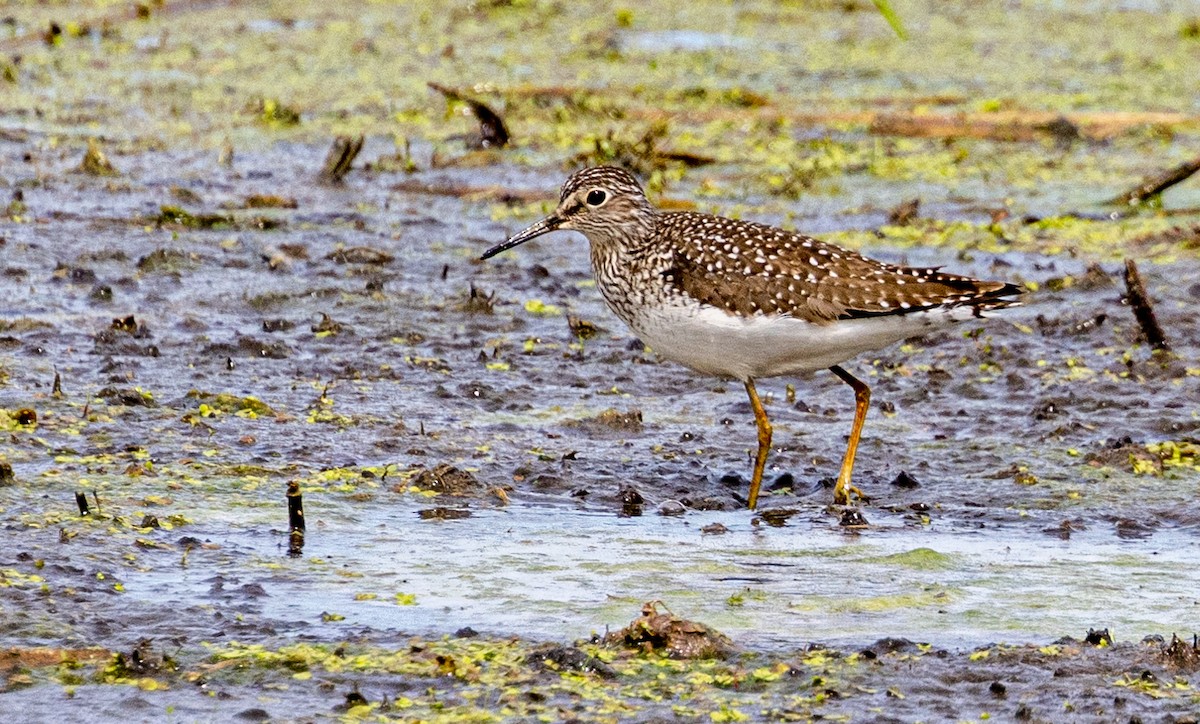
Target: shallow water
(543, 571)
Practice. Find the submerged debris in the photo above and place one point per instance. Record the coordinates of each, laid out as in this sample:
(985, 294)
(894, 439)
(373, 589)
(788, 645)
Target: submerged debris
(446, 478)
(889, 645)
(492, 131)
(273, 112)
(178, 216)
(95, 162)
(360, 255)
(610, 420)
(1182, 237)
(340, 158)
(569, 658)
(777, 517)
(665, 633)
(127, 324)
(270, 201)
(128, 396)
(443, 513)
(327, 326)
(1064, 529)
(478, 302)
(905, 213)
(643, 153)
(582, 328)
(853, 518)
(671, 508)
(143, 660)
(233, 404)
(905, 481)
(1181, 655)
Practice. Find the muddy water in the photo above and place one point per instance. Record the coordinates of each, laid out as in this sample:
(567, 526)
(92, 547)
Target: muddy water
(1028, 521)
(1030, 478)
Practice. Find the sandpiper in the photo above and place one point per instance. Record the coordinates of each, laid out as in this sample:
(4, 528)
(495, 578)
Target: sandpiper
(743, 300)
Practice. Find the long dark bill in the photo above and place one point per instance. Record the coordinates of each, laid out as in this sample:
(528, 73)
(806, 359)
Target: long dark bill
(545, 226)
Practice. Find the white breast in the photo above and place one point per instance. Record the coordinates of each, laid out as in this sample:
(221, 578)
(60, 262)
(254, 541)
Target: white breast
(715, 342)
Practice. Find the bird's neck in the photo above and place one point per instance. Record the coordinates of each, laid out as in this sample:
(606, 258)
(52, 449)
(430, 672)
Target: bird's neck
(630, 236)
(632, 251)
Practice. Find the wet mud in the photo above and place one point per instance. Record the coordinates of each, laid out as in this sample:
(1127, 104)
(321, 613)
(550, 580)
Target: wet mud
(511, 504)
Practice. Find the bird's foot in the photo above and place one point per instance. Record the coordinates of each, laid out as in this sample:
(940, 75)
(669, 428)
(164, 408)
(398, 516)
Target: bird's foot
(843, 491)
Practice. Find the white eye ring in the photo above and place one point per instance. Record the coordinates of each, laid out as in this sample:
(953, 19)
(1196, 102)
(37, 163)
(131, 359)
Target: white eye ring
(597, 197)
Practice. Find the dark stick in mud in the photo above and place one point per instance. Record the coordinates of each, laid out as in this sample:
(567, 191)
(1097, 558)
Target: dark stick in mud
(295, 520)
(1143, 308)
(81, 501)
(1155, 185)
(340, 157)
(492, 131)
(295, 508)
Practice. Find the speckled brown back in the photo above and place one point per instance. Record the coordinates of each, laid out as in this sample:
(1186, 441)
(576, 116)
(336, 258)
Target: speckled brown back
(747, 268)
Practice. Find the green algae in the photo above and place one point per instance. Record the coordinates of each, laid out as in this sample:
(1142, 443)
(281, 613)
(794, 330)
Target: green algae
(931, 597)
(507, 672)
(308, 45)
(1104, 240)
(177, 215)
(224, 402)
(918, 559)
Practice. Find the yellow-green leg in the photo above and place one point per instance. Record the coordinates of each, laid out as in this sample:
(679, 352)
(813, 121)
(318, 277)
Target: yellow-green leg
(862, 400)
(764, 441)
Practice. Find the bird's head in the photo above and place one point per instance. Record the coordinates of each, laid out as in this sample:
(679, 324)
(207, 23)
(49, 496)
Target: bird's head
(605, 203)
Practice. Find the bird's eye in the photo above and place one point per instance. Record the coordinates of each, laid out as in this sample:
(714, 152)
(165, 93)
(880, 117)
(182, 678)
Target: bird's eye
(596, 197)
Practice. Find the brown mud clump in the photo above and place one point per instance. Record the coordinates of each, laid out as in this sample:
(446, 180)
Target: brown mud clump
(569, 658)
(361, 255)
(443, 513)
(611, 420)
(446, 478)
(1181, 655)
(678, 638)
(95, 163)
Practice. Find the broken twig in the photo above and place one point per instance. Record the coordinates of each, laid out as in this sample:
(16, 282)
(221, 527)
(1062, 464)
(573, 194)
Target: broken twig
(340, 157)
(1155, 185)
(1143, 308)
(492, 131)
